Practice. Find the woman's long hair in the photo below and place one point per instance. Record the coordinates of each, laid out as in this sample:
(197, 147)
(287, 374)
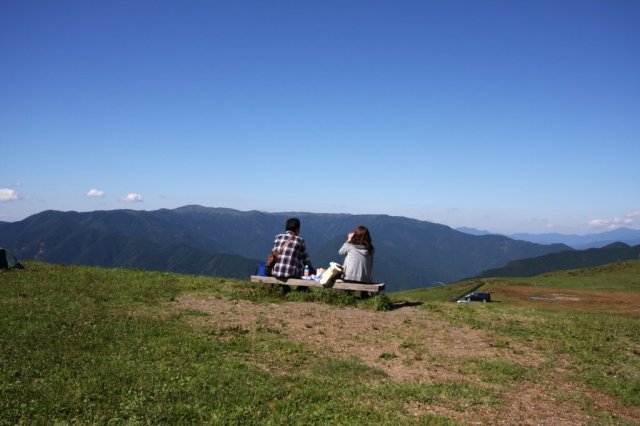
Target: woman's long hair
(362, 237)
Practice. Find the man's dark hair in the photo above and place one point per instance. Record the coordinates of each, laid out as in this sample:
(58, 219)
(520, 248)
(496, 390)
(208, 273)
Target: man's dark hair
(293, 224)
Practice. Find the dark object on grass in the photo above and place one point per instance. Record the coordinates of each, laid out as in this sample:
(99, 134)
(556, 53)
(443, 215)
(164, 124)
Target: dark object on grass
(476, 297)
(8, 260)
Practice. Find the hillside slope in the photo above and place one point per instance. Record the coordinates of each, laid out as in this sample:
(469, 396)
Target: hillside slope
(612, 287)
(565, 260)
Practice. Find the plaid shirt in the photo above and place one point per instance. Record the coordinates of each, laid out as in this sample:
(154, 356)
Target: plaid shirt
(292, 259)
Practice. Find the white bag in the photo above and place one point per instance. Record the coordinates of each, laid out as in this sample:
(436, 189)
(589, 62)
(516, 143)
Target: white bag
(330, 274)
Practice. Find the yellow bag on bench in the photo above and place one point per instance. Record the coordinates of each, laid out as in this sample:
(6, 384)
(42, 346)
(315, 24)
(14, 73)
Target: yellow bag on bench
(331, 274)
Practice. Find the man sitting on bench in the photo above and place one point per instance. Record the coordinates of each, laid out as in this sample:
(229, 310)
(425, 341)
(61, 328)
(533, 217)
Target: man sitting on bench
(293, 252)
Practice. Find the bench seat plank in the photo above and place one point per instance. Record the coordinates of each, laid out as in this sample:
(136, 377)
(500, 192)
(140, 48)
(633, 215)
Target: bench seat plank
(338, 285)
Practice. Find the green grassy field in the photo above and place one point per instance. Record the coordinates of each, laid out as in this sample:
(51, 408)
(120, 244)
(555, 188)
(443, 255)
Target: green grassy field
(90, 345)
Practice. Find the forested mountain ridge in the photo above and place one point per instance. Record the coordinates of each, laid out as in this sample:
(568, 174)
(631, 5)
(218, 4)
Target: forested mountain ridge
(224, 242)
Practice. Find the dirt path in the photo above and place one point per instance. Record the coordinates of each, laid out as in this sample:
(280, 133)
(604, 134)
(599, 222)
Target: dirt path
(412, 344)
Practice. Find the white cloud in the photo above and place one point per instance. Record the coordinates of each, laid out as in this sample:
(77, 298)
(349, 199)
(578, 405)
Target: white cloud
(96, 193)
(598, 223)
(633, 215)
(7, 194)
(132, 198)
(629, 219)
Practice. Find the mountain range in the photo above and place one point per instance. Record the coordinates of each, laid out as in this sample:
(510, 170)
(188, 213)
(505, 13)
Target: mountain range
(580, 242)
(229, 243)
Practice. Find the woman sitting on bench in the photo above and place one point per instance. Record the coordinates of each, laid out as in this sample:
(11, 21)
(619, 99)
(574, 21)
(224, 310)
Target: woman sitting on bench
(358, 263)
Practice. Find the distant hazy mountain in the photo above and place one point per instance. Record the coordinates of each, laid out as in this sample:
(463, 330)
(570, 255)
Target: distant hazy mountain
(625, 235)
(581, 242)
(573, 259)
(225, 242)
(473, 231)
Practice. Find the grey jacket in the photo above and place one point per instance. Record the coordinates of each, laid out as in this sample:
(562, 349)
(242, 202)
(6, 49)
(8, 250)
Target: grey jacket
(358, 263)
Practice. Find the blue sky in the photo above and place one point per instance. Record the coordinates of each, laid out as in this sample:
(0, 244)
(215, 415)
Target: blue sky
(510, 116)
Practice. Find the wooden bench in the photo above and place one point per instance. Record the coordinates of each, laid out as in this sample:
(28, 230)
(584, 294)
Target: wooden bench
(337, 285)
